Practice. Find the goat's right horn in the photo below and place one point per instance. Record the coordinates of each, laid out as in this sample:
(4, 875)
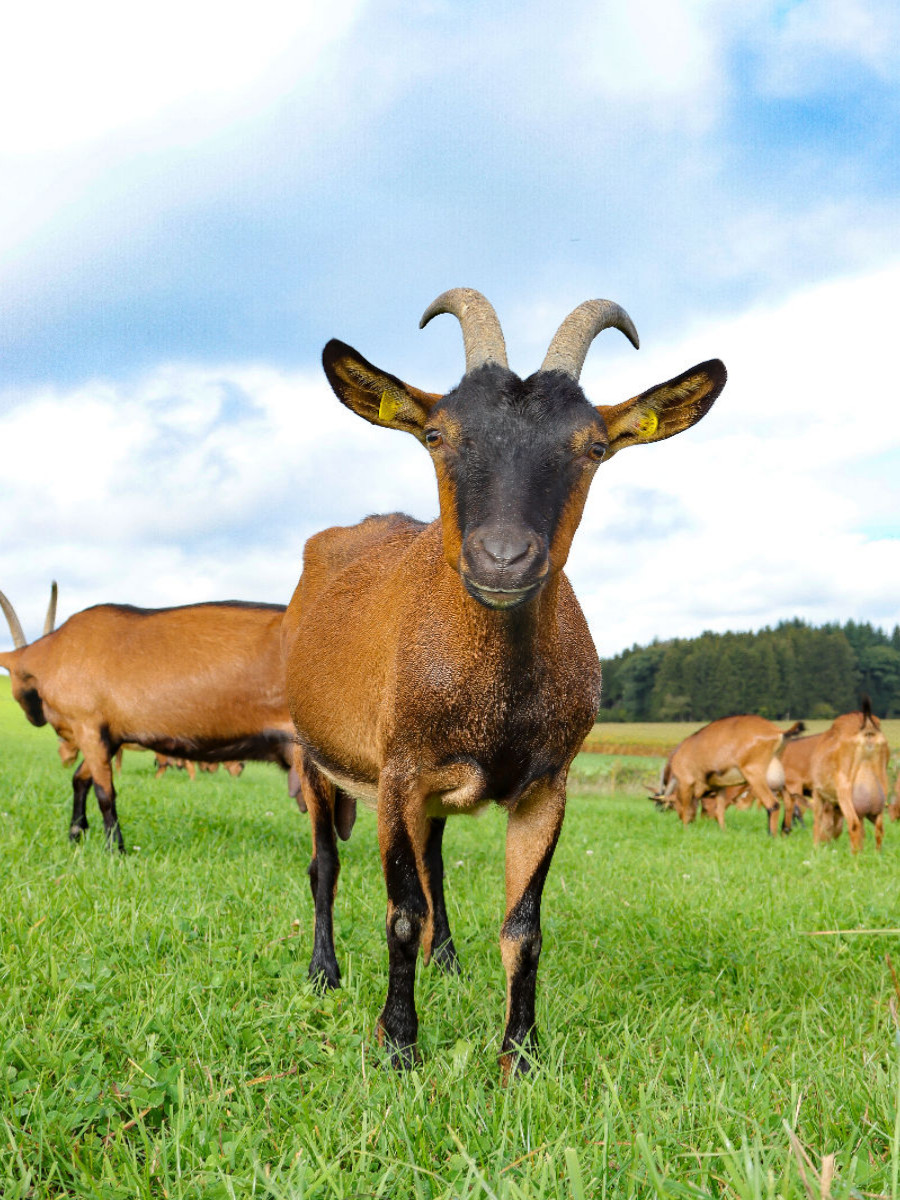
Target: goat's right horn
(572, 340)
(50, 619)
(12, 620)
(482, 335)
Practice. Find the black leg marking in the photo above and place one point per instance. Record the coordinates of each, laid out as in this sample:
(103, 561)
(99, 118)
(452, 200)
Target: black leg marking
(406, 916)
(324, 869)
(81, 785)
(444, 951)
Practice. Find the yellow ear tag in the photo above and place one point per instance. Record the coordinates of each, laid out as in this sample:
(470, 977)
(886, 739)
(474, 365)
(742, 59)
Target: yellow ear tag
(648, 424)
(388, 408)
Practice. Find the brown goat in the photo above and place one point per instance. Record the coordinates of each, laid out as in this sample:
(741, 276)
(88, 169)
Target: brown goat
(164, 762)
(849, 778)
(733, 752)
(433, 669)
(203, 681)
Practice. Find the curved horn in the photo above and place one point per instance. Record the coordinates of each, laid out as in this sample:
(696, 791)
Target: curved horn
(50, 619)
(15, 627)
(482, 335)
(569, 347)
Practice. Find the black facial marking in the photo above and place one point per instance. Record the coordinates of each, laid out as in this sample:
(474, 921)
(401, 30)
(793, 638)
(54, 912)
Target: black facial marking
(32, 706)
(515, 450)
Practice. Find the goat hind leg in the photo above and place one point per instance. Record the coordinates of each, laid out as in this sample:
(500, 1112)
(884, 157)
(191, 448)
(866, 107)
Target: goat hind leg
(318, 795)
(81, 785)
(756, 781)
(98, 760)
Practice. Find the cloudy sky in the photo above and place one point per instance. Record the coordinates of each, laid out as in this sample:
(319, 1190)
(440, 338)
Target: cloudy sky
(195, 196)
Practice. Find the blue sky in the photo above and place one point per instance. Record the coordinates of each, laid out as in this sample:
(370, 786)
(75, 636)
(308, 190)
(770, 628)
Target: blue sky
(196, 196)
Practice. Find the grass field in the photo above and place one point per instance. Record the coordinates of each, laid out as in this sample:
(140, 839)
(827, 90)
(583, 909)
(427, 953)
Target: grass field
(159, 1037)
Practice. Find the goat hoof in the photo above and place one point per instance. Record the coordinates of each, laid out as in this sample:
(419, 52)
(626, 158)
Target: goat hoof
(403, 1051)
(403, 1058)
(513, 1065)
(447, 960)
(325, 977)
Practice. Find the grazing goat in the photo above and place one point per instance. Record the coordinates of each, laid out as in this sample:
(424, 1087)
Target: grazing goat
(849, 778)
(204, 681)
(733, 752)
(433, 669)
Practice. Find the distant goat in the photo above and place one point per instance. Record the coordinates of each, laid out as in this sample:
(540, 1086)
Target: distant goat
(204, 681)
(735, 753)
(849, 778)
(433, 669)
(164, 762)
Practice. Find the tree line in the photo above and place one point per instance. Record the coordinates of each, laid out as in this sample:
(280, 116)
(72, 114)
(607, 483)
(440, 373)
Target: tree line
(793, 670)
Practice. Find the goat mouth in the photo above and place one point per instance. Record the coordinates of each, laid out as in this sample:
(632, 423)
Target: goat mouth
(500, 597)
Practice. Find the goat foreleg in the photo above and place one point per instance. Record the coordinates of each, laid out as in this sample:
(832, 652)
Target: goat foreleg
(531, 837)
(401, 838)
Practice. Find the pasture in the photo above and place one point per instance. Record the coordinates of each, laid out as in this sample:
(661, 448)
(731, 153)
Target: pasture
(160, 1039)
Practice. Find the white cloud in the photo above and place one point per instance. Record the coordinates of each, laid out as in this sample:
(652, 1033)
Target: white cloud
(73, 73)
(815, 37)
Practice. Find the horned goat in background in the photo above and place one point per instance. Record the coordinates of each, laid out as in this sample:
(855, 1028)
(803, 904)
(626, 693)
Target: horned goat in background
(203, 681)
(435, 668)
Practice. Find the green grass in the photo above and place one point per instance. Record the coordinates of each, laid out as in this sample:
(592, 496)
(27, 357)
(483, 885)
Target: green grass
(159, 1037)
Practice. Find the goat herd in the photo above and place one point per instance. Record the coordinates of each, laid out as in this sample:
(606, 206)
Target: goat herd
(429, 670)
(841, 773)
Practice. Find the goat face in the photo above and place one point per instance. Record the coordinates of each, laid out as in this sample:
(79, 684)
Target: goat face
(515, 458)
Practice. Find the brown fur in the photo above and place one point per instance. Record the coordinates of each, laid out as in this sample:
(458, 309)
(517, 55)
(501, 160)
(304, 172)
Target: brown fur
(849, 779)
(202, 682)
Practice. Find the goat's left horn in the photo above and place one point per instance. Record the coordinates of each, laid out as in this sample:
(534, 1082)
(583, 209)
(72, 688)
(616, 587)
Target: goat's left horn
(569, 347)
(482, 335)
(15, 627)
(50, 619)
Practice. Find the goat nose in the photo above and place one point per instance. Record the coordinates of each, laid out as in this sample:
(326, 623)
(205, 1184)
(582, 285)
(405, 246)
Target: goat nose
(506, 548)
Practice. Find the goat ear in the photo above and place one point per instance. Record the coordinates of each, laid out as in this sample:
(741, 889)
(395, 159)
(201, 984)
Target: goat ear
(666, 409)
(373, 394)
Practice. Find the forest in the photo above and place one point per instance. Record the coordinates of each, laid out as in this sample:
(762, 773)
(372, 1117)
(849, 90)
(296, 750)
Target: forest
(793, 670)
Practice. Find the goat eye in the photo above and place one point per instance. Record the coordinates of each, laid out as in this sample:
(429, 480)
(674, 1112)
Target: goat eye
(433, 438)
(596, 451)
